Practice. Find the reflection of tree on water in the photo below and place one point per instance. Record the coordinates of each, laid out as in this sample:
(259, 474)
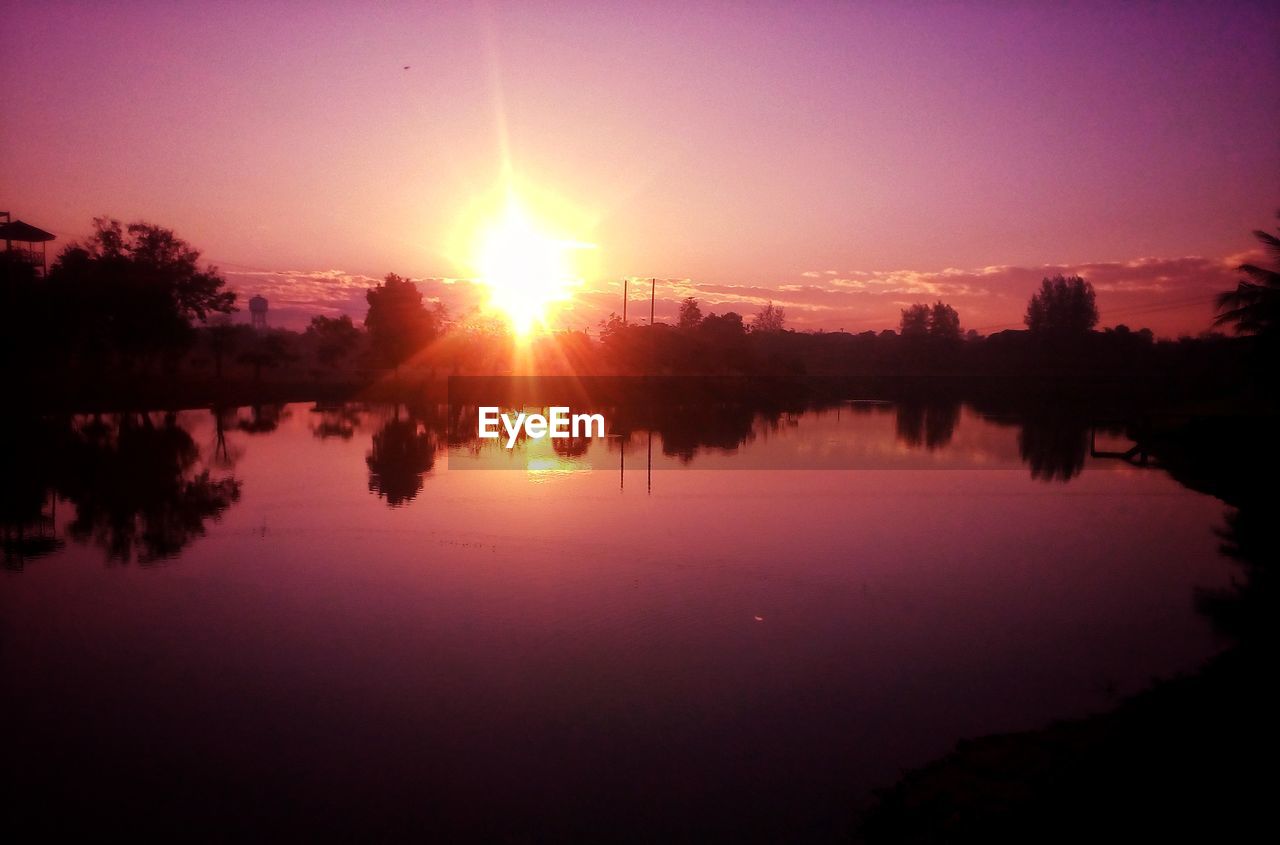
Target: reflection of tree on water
(1053, 432)
(135, 480)
(28, 533)
(262, 419)
(571, 447)
(335, 419)
(1054, 445)
(28, 505)
(138, 491)
(225, 456)
(403, 451)
(689, 429)
(1180, 761)
(928, 424)
(1246, 611)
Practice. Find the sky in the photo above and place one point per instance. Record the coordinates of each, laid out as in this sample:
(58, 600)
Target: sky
(840, 159)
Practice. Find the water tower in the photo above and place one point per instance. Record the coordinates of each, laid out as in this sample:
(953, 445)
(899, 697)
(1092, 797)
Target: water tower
(258, 312)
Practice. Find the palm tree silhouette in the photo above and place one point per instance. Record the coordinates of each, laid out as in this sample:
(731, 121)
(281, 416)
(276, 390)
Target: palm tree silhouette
(1254, 306)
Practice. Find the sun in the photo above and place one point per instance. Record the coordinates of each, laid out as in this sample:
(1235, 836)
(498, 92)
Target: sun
(525, 267)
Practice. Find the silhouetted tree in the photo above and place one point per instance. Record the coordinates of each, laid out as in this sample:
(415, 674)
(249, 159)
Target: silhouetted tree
(724, 343)
(1254, 306)
(726, 325)
(944, 322)
(690, 313)
(1065, 306)
(938, 321)
(335, 338)
(15, 270)
(915, 321)
(610, 327)
(267, 350)
(399, 324)
(137, 290)
(770, 318)
(223, 338)
(26, 302)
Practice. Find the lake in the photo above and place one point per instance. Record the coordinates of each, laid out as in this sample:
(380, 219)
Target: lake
(341, 621)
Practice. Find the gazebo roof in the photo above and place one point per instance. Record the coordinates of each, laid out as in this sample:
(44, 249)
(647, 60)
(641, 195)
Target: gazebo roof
(25, 232)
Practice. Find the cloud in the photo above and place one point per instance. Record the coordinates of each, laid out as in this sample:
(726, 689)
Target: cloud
(1170, 295)
(295, 296)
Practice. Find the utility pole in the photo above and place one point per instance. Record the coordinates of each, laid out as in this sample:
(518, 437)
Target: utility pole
(624, 302)
(653, 286)
(649, 471)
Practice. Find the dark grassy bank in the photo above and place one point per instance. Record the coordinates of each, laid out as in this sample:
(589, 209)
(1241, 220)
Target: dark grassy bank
(1188, 759)
(1183, 761)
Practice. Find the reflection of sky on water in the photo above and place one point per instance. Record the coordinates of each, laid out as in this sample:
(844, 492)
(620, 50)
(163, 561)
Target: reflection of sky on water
(597, 637)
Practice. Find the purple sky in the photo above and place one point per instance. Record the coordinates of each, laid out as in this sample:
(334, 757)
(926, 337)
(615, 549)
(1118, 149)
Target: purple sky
(843, 159)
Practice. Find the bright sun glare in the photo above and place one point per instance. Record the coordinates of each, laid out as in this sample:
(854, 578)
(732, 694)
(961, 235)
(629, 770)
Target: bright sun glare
(525, 268)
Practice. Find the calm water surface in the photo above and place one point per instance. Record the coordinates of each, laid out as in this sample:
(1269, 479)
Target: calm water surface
(357, 634)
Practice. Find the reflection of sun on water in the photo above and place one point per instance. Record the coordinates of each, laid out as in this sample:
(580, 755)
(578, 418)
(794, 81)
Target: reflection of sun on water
(544, 463)
(526, 267)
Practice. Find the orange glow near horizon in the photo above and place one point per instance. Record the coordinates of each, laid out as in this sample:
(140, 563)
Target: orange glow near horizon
(528, 265)
(745, 157)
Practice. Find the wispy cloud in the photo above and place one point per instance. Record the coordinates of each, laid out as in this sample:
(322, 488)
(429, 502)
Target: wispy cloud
(1171, 295)
(297, 295)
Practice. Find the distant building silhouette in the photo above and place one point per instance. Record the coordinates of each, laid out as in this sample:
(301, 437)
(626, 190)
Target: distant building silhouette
(258, 312)
(17, 232)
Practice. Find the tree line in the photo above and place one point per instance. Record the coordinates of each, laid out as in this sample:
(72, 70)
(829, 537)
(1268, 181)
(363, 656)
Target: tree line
(135, 299)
